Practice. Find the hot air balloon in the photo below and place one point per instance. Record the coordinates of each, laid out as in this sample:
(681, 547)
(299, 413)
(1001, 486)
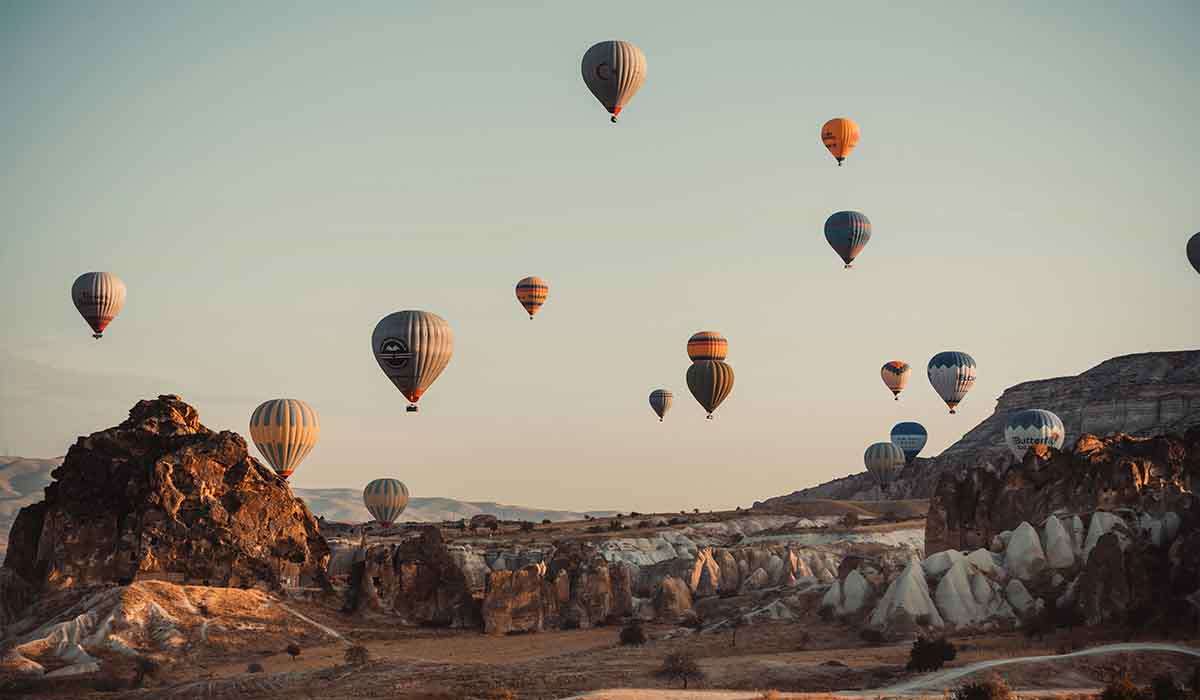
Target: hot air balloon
(710, 381)
(1193, 251)
(660, 402)
(412, 348)
(910, 437)
(952, 375)
(532, 293)
(895, 376)
(707, 345)
(385, 499)
(284, 431)
(99, 297)
(1033, 427)
(614, 71)
(884, 460)
(847, 233)
(840, 136)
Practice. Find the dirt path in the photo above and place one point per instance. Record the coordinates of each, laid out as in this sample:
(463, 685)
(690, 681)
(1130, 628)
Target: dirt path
(944, 679)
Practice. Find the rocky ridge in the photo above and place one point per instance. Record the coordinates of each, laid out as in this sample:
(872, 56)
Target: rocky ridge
(1145, 394)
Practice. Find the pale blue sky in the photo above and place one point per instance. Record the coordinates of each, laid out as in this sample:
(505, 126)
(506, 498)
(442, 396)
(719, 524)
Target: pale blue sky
(271, 180)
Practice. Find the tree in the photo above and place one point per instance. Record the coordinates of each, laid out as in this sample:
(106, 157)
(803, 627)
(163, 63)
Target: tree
(293, 650)
(993, 688)
(545, 521)
(680, 666)
(357, 655)
(930, 654)
(1122, 687)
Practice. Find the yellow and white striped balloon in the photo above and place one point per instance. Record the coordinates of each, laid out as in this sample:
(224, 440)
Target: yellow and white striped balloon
(284, 431)
(386, 499)
(412, 348)
(614, 71)
(99, 297)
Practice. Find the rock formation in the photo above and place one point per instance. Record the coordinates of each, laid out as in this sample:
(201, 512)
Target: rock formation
(160, 496)
(906, 604)
(1146, 394)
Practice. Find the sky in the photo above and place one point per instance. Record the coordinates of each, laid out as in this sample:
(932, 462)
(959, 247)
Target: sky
(270, 179)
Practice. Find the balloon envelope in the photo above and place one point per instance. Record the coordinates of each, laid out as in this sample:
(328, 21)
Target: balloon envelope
(847, 233)
(710, 381)
(614, 71)
(952, 375)
(99, 297)
(895, 376)
(1035, 426)
(532, 293)
(910, 437)
(385, 499)
(884, 461)
(707, 345)
(840, 136)
(412, 348)
(1193, 251)
(284, 431)
(660, 402)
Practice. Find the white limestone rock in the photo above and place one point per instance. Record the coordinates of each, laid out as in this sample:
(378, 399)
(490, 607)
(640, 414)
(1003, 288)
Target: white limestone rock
(1019, 598)
(907, 599)
(1056, 543)
(1024, 557)
(936, 565)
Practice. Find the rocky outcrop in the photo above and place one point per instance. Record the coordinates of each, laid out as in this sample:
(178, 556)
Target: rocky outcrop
(672, 599)
(1141, 395)
(160, 496)
(1156, 475)
(907, 605)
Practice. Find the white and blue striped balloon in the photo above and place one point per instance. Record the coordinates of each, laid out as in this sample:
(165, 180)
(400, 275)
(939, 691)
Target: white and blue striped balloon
(952, 374)
(1034, 426)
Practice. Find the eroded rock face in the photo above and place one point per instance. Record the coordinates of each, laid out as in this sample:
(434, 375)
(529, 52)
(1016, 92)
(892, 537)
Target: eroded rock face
(161, 496)
(1154, 474)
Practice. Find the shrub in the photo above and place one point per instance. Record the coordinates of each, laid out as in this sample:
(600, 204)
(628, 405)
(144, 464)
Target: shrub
(632, 634)
(696, 511)
(993, 688)
(500, 694)
(924, 619)
(526, 526)
(1122, 688)
(930, 654)
(634, 514)
(545, 521)
(1164, 687)
(680, 666)
(357, 655)
(871, 635)
(850, 520)
(293, 650)
(255, 668)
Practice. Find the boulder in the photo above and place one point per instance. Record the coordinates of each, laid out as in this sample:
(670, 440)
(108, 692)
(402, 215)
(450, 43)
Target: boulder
(985, 563)
(1023, 557)
(1019, 598)
(1056, 542)
(966, 598)
(849, 596)
(160, 496)
(906, 600)
(936, 565)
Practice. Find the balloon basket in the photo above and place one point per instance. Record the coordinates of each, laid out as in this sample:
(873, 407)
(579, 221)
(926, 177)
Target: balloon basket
(412, 408)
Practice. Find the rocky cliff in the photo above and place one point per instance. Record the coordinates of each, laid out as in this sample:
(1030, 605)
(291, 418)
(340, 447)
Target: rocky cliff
(160, 496)
(1142, 395)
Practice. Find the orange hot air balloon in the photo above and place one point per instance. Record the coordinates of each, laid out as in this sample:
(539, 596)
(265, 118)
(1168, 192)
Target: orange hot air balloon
(707, 345)
(532, 293)
(840, 136)
(895, 376)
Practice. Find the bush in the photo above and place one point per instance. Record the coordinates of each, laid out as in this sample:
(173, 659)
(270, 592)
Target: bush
(293, 650)
(545, 521)
(1122, 688)
(357, 655)
(255, 668)
(680, 666)
(993, 688)
(1164, 687)
(500, 694)
(634, 514)
(924, 619)
(632, 634)
(871, 636)
(930, 654)
(850, 520)
(526, 526)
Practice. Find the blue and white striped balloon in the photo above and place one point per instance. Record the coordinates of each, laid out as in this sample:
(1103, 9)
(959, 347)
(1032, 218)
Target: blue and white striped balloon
(385, 499)
(910, 437)
(952, 375)
(1034, 426)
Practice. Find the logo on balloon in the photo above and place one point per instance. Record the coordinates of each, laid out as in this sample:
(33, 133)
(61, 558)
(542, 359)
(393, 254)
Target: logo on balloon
(604, 72)
(394, 352)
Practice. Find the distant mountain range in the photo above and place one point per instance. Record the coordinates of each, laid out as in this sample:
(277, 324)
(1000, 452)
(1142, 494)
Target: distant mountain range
(22, 480)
